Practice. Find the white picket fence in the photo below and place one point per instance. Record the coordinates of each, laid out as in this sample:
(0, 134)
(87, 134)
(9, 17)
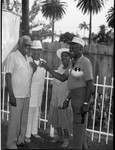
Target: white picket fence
(5, 108)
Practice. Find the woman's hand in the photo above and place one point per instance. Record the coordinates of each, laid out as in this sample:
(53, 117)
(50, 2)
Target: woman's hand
(65, 104)
(12, 101)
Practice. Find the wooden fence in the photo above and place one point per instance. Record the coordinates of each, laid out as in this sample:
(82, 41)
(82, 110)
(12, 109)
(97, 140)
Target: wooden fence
(101, 57)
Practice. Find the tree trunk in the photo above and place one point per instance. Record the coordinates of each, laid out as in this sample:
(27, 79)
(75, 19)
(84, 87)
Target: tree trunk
(25, 17)
(53, 30)
(7, 1)
(90, 26)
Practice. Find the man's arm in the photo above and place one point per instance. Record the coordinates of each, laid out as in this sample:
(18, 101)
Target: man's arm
(89, 91)
(12, 99)
(61, 77)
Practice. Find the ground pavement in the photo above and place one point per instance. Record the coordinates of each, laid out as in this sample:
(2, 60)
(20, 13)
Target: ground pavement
(45, 141)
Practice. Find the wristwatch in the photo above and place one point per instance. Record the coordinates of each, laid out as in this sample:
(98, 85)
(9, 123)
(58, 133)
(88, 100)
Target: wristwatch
(85, 103)
(67, 99)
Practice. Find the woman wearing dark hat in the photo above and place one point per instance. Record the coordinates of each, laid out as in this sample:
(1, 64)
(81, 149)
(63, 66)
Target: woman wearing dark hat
(61, 119)
(80, 83)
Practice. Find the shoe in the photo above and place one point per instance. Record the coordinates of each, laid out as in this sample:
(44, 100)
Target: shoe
(27, 139)
(60, 140)
(37, 136)
(55, 139)
(65, 143)
(22, 145)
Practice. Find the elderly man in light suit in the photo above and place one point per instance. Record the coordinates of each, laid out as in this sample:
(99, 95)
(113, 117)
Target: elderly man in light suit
(18, 80)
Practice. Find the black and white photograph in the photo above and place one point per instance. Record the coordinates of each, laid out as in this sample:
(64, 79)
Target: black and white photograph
(57, 74)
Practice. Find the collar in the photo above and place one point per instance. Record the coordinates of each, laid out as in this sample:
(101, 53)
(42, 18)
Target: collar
(79, 59)
(20, 54)
(73, 62)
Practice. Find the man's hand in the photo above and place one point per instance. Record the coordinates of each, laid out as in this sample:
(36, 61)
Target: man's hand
(65, 104)
(34, 66)
(84, 109)
(12, 101)
(44, 64)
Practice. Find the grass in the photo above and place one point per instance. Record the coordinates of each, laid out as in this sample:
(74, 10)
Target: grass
(45, 143)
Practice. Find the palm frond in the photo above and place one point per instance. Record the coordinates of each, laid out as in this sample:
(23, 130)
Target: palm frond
(110, 17)
(53, 9)
(88, 6)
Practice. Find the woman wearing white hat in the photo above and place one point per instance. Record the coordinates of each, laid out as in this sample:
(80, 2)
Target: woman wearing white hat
(61, 119)
(37, 87)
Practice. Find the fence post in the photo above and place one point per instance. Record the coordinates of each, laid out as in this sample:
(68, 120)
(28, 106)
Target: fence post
(51, 131)
(109, 111)
(3, 91)
(47, 80)
(8, 108)
(95, 108)
(102, 108)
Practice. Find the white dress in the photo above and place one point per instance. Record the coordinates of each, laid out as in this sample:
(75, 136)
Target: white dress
(37, 88)
(60, 117)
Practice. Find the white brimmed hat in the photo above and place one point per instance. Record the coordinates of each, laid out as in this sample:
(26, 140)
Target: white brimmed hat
(59, 51)
(36, 44)
(77, 40)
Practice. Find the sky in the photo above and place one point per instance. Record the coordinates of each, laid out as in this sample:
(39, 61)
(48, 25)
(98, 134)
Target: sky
(74, 16)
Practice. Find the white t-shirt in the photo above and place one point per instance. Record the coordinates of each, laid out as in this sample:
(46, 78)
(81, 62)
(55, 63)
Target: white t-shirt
(80, 73)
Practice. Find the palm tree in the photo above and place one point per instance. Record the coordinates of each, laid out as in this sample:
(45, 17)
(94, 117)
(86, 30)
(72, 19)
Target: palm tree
(90, 6)
(25, 17)
(84, 26)
(53, 9)
(110, 17)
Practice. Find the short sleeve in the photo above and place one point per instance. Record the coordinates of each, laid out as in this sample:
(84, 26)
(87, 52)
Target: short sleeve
(88, 72)
(10, 63)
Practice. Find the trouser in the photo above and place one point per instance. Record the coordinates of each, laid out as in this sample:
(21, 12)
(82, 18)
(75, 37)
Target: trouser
(32, 123)
(77, 98)
(79, 141)
(17, 123)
